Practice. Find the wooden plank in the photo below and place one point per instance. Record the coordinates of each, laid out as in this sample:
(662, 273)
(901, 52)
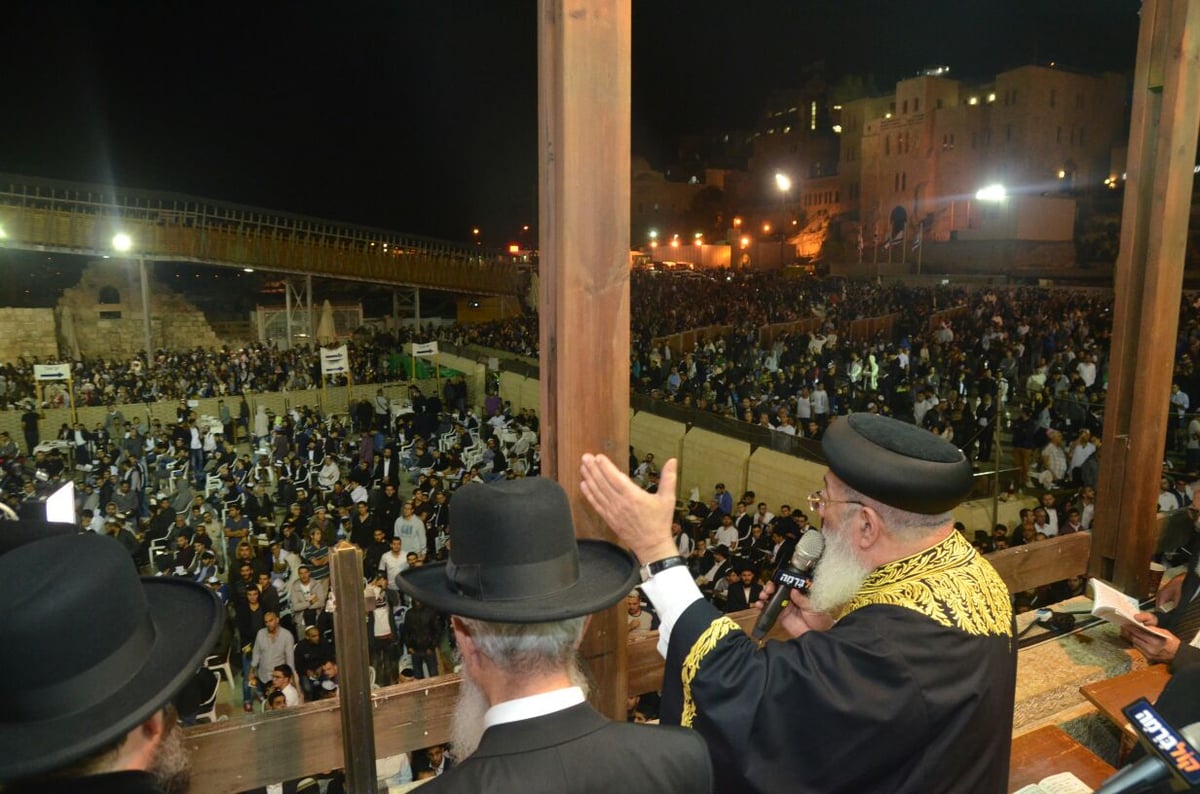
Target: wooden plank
(1048, 751)
(1162, 150)
(583, 170)
(282, 745)
(1046, 561)
(1113, 694)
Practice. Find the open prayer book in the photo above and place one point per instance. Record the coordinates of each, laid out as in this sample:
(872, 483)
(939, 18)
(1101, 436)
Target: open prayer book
(1062, 783)
(1110, 604)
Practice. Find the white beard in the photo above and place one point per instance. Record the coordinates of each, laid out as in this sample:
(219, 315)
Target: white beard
(838, 575)
(466, 724)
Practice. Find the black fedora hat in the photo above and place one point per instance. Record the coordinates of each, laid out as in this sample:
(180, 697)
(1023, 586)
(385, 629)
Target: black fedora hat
(107, 648)
(514, 558)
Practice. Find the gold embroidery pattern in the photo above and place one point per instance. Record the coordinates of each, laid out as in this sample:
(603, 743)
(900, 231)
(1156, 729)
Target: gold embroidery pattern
(949, 583)
(691, 665)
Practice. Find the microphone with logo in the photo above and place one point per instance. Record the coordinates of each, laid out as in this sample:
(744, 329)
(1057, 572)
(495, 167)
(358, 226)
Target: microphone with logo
(791, 574)
(1172, 757)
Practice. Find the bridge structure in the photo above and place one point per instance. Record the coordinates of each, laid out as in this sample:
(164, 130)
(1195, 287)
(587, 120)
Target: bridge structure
(76, 218)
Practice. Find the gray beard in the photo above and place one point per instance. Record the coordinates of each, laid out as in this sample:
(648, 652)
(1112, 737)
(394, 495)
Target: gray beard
(837, 576)
(171, 767)
(466, 724)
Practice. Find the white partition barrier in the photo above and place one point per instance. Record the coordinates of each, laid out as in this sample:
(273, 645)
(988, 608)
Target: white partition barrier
(709, 458)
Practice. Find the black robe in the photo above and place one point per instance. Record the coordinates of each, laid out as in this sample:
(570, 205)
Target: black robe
(911, 691)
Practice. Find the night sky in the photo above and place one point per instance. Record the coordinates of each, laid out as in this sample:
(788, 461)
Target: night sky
(420, 116)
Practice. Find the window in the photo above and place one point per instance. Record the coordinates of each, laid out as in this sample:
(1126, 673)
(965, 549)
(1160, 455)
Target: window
(904, 180)
(1052, 96)
(109, 295)
(904, 107)
(1058, 134)
(1008, 133)
(939, 103)
(896, 183)
(917, 105)
(1081, 136)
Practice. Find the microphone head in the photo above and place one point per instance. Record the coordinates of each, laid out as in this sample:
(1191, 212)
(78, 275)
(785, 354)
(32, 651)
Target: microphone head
(808, 550)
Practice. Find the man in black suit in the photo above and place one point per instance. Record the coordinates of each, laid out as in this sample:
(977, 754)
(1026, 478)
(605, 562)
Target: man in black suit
(522, 722)
(743, 594)
(387, 469)
(1181, 647)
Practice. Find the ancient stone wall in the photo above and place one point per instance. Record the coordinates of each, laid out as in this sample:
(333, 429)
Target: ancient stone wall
(28, 333)
(106, 315)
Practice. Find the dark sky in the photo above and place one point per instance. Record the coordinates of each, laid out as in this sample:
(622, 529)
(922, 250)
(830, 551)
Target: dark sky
(420, 115)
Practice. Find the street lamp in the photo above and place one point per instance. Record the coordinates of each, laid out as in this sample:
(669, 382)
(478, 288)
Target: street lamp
(122, 243)
(784, 183)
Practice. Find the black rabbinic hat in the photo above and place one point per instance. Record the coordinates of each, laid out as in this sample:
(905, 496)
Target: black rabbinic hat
(514, 558)
(897, 463)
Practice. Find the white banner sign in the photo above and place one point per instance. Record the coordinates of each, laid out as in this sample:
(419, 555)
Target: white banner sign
(424, 349)
(51, 371)
(335, 360)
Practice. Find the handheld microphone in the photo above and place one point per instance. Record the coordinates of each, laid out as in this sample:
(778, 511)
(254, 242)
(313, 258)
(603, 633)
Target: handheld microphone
(790, 574)
(1172, 754)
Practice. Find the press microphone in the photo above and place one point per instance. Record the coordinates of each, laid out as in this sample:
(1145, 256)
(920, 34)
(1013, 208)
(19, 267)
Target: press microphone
(790, 574)
(1171, 756)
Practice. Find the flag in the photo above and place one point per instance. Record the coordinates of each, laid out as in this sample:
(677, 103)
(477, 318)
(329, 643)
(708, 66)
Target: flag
(895, 240)
(860, 241)
(916, 243)
(335, 360)
(425, 349)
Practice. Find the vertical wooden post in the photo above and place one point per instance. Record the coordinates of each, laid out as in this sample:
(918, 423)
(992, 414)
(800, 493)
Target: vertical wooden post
(1158, 190)
(354, 675)
(583, 172)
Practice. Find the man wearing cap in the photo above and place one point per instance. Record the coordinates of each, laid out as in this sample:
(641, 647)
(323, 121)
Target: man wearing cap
(520, 586)
(94, 714)
(902, 661)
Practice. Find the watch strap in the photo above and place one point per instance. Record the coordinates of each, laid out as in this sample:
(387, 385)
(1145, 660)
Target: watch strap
(658, 566)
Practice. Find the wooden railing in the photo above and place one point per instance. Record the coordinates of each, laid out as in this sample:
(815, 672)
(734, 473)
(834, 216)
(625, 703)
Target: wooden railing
(248, 753)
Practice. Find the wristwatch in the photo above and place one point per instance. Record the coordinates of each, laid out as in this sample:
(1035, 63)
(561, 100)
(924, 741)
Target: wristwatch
(658, 566)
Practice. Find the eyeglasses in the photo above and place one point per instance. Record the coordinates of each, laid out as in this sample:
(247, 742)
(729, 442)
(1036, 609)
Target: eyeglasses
(817, 498)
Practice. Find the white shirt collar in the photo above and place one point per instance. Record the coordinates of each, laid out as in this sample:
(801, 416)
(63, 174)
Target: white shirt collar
(533, 706)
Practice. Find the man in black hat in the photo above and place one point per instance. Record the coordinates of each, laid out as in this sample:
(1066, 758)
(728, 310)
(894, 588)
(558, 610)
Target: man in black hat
(520, 588)
(902, 662)
(94, 713)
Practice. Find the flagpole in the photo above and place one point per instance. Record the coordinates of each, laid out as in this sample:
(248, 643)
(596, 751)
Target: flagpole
(904, 246)
(920, 250)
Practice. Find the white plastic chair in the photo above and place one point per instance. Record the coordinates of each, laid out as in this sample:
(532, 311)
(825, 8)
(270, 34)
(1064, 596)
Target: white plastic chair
(208, 709)
(224, 668)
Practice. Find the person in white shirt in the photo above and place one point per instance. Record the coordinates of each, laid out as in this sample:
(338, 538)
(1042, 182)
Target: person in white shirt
(727, 534)
(411, 531)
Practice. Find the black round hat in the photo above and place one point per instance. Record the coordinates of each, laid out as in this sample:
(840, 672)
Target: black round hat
(514, 558)
(897, 463)
(108, 648)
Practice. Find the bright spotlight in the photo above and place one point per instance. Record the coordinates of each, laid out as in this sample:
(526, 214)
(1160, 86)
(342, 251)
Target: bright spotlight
(991, 193)
(783, 182)
(122, 242)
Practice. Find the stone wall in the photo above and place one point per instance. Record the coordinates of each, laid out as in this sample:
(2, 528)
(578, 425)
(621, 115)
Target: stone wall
(27, 332)
(115, 329)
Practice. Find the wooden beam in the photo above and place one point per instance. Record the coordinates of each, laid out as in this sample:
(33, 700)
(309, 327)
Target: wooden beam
(354, 679)
(1046, 561)
(583, 170)
(1158, 190)
(242, 754)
